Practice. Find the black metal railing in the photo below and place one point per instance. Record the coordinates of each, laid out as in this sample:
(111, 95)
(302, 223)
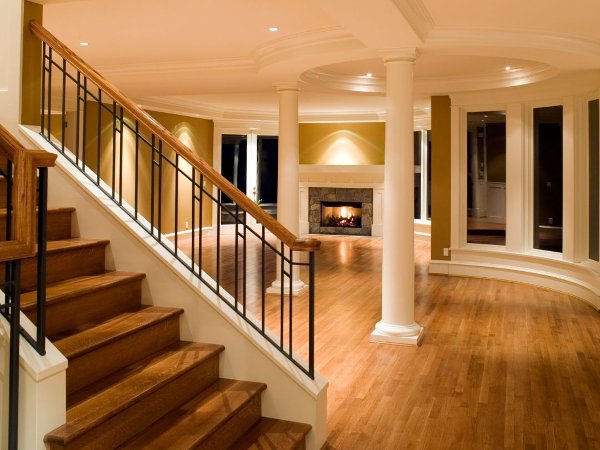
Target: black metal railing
(165, 188)
(10, 286)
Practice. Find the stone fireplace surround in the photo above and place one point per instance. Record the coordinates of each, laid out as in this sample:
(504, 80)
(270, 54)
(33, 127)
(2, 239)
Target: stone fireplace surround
(316, 195)
(338, 177)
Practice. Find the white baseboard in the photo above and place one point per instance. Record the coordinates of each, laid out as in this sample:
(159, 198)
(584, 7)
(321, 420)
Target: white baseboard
(568, 283)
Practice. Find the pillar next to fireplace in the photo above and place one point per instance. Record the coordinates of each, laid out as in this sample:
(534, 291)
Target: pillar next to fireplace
(353, 213)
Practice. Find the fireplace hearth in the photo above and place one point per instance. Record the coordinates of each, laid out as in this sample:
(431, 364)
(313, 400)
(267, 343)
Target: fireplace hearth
(340, 210)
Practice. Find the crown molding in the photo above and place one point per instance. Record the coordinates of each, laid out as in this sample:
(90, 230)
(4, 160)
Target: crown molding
(448, 37)
(220, 64)
(417, 15)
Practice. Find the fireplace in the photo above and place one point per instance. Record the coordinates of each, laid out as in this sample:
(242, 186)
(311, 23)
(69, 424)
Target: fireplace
(340, 210)
(341, 214)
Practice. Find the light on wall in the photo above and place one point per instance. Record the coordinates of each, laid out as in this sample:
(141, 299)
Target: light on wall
(273, 29)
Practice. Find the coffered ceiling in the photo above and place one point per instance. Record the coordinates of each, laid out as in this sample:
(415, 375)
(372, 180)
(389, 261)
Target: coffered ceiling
(217, 58)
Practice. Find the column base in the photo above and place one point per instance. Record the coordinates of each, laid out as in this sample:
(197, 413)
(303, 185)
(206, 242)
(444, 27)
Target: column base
(298, 287)
(397, 334)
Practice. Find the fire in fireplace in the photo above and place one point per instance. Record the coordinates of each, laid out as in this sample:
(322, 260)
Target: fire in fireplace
(341, 214)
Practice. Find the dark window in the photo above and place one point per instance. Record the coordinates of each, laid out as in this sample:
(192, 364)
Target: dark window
(233, 162)
(594, 180)
(548, 178)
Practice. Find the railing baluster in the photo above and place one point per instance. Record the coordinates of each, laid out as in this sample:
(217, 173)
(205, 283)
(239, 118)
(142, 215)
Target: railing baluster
(244, 259)
(77, 118)
(218, 280)
(99, 136)
(262, 278)
(290, 297)
(152, 187)
(114, 148)
(160, 160)
(49, 94)
(194, 220)
(63, 118)
(121, 156)
(43, 112)
(281, 295)
(200, 214)
(41, 260)
(236, 259)
(136, 175)
(177, 199)
(84, 131)
(311, 314)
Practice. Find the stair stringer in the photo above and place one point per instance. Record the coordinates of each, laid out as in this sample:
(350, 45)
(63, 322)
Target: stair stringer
(290, 394)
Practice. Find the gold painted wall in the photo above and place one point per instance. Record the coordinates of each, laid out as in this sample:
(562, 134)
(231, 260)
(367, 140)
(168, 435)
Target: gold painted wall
(440, 176)
(358, 143)
(196, 133)
(31, 70)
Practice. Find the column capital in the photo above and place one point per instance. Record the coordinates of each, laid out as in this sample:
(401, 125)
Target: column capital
(399, 54)
(287, 86)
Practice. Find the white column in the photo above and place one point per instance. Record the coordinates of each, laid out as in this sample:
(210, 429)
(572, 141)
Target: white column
(397, 325)
(288, 179)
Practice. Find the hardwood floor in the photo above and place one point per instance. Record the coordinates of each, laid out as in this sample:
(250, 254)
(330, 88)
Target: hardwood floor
(502, 365)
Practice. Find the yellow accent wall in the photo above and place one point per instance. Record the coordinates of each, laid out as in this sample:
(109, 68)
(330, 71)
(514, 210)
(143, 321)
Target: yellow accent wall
(196, 133)
(31, 70)
(440, 176)
(358, 143)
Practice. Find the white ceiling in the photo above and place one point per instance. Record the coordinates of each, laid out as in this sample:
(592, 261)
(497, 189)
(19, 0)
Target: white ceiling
(217, 58)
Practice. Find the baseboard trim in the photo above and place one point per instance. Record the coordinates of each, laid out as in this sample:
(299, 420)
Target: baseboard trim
(566, 284)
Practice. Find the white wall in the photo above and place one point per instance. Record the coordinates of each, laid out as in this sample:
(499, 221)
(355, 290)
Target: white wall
(11, 13)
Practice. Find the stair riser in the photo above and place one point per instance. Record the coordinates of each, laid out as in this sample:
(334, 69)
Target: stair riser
(62, 265)
(90, 308)
(58, 225)
(230, 431)
(126, 424)
(109, 358)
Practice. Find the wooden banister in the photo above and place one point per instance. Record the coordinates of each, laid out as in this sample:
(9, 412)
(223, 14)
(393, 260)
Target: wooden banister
(282, 233)
(25, 165)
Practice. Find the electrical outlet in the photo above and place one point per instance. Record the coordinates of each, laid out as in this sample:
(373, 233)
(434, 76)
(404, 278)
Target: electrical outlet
(187, 224)
(446, 251)
(550, 220)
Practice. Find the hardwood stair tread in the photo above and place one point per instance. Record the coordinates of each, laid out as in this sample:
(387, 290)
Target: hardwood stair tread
(50, 210)
(195, 421)
(113, 329)
(105, 404)
(73, 287)
(273, 434)
(74, 243)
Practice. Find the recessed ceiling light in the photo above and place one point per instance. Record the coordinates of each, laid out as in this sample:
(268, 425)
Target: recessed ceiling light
(369, 74)
(273, 29)
(427, 108)
(84, 44)
(507, 68)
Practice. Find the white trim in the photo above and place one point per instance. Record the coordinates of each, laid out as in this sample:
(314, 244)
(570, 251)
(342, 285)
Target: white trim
(205, 232)
(575, 282)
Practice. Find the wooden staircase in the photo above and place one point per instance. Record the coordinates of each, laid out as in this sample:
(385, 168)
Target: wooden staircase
(131, 383)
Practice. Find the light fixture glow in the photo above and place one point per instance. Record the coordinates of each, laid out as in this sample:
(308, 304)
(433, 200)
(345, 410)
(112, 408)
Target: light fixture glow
(507, 68)
(84, 44)
(273, 29)
(427, 108)
(369, 74)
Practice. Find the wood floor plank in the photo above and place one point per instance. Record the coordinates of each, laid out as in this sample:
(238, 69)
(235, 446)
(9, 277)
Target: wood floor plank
(502, 365)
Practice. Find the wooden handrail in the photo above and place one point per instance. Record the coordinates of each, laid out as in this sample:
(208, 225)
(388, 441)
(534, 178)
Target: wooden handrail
(282, 233)
(25, 165)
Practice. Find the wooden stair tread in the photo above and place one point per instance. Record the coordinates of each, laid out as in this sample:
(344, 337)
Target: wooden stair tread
(273, 434)
(74, 243)
(50, 210)
(113, 329)
(117, 397)
(189, 425)
(73, 287)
